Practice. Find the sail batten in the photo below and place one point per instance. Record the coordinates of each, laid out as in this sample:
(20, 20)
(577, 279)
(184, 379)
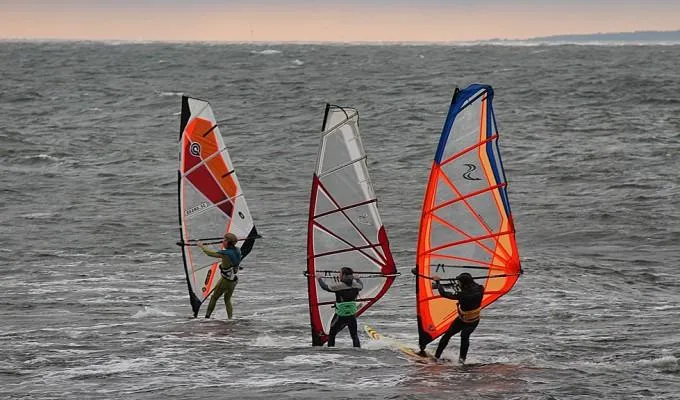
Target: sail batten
(466, 215)
(211, 202)
(344, 226)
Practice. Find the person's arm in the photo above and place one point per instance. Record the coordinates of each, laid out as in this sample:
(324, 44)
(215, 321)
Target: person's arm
(442, 291)
(207, 251)
(360, 284)
(323, 285)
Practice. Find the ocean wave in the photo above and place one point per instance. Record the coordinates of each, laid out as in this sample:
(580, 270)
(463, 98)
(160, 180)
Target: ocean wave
(264, 381)
(152, 312)
(266, 52)
(286, 342)
(100, 369)
(665, 363)
(39, 215)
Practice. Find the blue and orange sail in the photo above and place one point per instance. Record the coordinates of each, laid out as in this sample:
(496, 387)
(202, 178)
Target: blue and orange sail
(466, 223)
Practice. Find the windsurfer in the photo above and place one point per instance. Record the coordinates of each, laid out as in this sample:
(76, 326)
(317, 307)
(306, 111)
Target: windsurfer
(346, 292)
(231, 258)
(469, 295)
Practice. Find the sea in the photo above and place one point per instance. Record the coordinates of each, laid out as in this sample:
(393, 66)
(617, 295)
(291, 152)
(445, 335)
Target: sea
(93, 296)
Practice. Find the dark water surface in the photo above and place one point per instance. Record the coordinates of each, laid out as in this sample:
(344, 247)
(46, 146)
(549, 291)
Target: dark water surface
(93, 299)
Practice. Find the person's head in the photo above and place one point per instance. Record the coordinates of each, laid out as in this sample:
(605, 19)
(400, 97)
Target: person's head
(229, 239)
(465, 279)
(347, 275)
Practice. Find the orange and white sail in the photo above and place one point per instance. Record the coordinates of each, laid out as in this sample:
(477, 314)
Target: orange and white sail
(466, 223)
(211, 201)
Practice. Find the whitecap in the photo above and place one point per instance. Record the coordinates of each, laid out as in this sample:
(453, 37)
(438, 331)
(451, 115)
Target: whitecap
(152, 312)
(42, 156)
(37, 360)
(38, 215)
(101, 369)
(261, 381)
(279, 342)
(266, 52)
(665, 363)
(298, 62)
(314, 359)
(171, 94)
(379, 344)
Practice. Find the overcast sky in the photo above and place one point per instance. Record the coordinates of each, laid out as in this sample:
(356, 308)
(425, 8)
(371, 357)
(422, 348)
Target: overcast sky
(319, 20)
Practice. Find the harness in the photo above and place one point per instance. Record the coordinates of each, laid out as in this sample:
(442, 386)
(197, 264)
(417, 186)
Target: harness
(470, 316)
(346, 308)
(234, 256)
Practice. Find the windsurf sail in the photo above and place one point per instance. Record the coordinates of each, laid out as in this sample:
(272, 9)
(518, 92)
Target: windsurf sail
(211, 201)
(344, 227)
(466, 223)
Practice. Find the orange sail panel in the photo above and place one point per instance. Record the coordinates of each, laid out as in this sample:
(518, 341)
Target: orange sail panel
(344, 226)
(211, 202)
(466, 223)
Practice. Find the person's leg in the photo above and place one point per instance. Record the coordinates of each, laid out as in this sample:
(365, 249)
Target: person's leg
(465, 340)
(352, 326)
(455, 327)
(336, 326)
(228, 291)
(217, 292)
(422, 343)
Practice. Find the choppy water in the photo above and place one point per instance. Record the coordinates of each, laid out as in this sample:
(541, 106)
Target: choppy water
(93, 299)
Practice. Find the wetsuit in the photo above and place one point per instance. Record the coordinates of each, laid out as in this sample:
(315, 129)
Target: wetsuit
(231, 258)
(469, 302)
(346, 290)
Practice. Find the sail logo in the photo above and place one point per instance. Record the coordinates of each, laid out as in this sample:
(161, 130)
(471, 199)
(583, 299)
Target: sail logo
(207, 281)
(471, 168)
(195, 149)
(195, 209)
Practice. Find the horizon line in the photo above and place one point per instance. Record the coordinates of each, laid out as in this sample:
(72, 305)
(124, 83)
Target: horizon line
(533, 40)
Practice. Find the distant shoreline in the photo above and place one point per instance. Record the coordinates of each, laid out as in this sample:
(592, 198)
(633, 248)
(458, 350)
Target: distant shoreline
(637, 36)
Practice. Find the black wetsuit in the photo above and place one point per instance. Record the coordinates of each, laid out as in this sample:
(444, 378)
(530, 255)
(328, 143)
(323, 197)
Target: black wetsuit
(347, 290)
(469, 298)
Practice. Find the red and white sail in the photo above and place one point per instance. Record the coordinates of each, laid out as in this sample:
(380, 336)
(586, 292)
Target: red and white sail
(344, 226)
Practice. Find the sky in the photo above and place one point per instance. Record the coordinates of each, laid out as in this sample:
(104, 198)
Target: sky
(328, 21)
